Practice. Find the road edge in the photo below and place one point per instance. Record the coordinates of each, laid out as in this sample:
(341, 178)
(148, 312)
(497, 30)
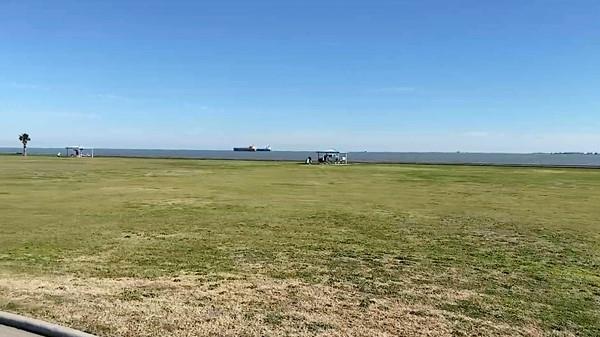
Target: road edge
(39, 327)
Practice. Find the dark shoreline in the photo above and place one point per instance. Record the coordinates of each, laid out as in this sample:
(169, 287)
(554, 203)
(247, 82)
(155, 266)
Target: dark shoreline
(375, 162)
(355, 161)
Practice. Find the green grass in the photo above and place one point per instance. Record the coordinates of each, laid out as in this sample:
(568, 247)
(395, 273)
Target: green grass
(525, 242)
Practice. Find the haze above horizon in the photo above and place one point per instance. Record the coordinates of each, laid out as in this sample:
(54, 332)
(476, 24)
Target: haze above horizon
(478, 76)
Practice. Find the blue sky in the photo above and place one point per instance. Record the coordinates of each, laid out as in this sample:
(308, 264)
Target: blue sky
(497, 76)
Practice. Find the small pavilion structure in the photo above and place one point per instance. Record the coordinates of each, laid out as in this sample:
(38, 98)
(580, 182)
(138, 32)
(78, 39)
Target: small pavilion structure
(333, 157)
(79, 151)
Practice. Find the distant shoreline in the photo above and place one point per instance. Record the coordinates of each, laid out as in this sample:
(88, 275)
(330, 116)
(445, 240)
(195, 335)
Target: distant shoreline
(556, 160)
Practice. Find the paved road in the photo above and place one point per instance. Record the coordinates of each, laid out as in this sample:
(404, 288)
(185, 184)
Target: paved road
(6, 331)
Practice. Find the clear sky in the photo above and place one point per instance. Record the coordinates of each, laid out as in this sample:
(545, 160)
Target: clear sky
(514, 76)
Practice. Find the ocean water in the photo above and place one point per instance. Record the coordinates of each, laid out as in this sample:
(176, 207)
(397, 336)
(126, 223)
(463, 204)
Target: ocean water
(538, 159)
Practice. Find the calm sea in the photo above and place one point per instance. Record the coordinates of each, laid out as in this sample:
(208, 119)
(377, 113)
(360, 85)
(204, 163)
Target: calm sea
(541, 159)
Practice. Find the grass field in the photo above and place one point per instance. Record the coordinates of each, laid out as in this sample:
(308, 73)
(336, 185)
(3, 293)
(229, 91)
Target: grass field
(157, 247)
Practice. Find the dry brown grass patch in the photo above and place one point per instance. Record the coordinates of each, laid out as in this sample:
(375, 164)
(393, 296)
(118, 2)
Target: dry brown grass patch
(192, 306)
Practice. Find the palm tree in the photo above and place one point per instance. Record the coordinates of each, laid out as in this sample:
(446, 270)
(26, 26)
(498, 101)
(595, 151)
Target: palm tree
(24, 138)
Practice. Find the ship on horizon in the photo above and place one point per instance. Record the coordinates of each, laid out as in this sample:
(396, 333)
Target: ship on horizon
(252, 148)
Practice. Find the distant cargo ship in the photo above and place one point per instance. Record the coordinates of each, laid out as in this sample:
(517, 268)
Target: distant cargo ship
(252, 148)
